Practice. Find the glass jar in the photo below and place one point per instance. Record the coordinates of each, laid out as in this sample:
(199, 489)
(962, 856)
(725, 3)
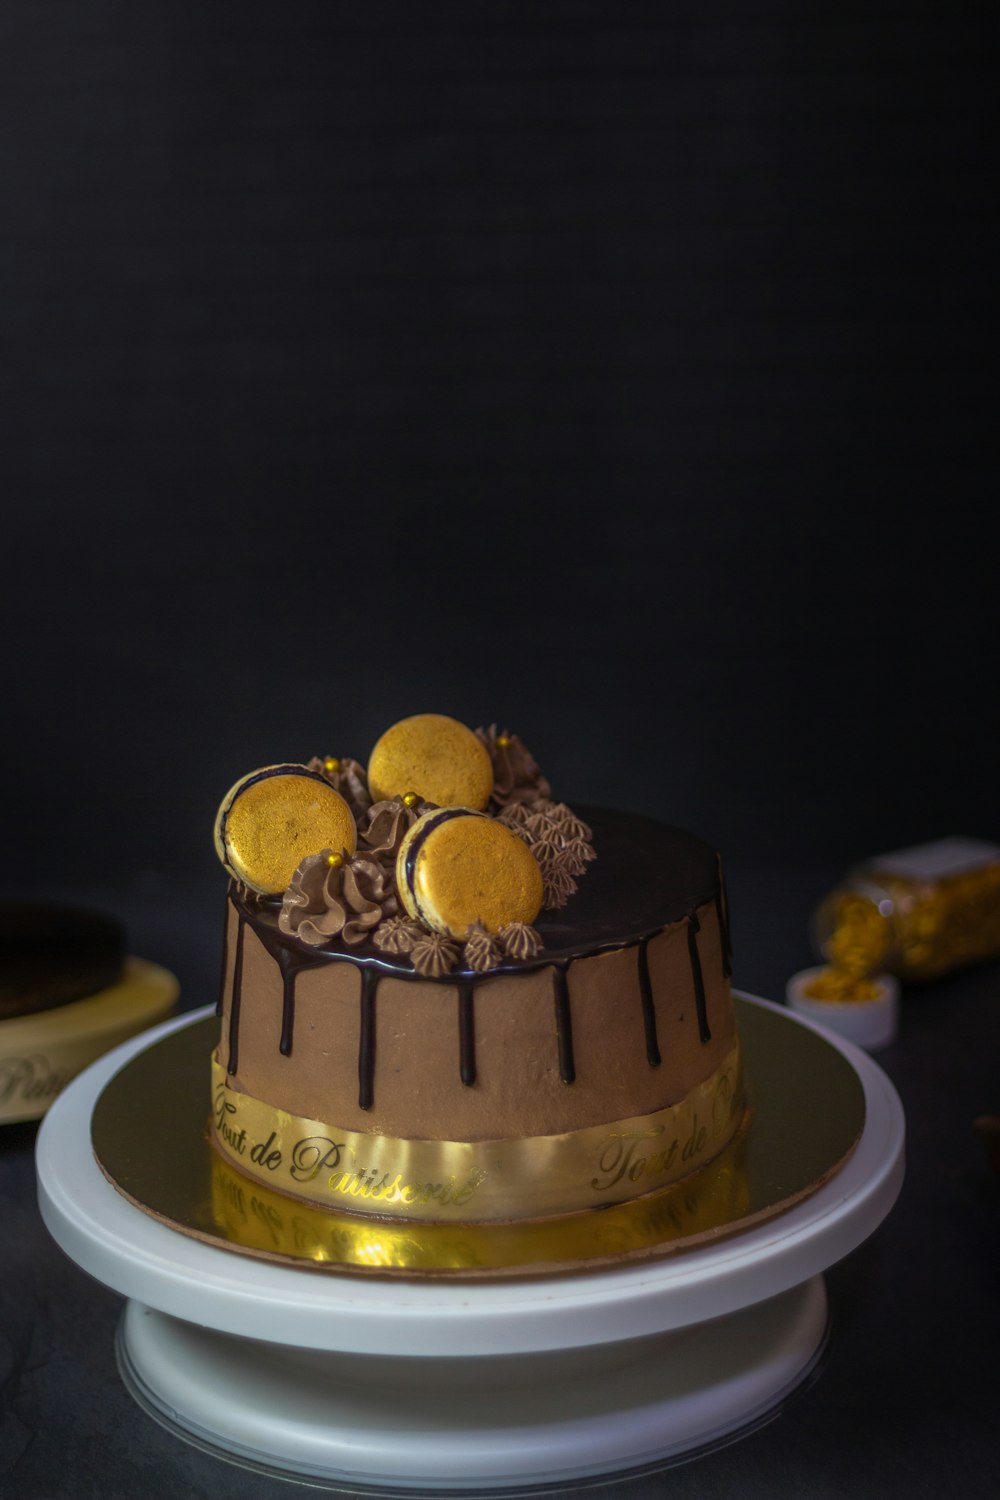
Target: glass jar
(918, 913)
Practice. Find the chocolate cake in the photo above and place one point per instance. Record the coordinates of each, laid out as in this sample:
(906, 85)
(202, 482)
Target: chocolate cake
(52, 955)
(436, 1067)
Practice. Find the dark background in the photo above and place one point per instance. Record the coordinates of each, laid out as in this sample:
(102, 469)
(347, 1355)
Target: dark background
(622, 372)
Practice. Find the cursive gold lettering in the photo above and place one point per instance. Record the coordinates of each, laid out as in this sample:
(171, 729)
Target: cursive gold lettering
(223, 1106)
(695, 1141)
(266, 1154)
(366, 1183)
(314, 1154)
(387, 1187)
(236, 1140)
(619, 1158)
(403, 1179)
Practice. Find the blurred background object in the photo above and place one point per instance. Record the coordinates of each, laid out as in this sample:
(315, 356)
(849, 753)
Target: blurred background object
(69, 992)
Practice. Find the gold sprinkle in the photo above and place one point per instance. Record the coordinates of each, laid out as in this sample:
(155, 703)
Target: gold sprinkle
(503, 741)
(841, 985)
(331, 763)
(410, 799)
(335, 861)
(919, 929)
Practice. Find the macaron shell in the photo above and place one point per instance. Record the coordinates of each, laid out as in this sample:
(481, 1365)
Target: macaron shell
(272, 819)
(436, 757)
(456, 867)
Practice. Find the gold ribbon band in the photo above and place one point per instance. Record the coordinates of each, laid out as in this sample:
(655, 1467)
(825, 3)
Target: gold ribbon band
(473, 1181)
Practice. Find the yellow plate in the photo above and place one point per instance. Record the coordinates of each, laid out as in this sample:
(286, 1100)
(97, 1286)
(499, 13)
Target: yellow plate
(42, 1052)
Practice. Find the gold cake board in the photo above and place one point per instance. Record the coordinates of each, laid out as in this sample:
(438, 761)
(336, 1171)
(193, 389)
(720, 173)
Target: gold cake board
(150, 1139)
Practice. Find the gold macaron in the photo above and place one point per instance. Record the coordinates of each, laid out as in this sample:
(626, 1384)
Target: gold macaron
(436, 757)
(456, 867)
(273, 818)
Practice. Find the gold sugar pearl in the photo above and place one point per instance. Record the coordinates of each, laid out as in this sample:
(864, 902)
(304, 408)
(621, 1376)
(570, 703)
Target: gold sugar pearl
(503, 741)
(410, 799)
(335, 861)
(331, 763)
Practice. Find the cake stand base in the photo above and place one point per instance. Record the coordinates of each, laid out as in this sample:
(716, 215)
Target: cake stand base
(405, 1425)
(369, 1382)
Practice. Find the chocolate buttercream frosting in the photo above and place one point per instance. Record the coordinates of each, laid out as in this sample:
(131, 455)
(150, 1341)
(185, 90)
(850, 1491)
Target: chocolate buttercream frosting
(398, 935)
(345, 901)
(539, 825)
(650, 913)
(548, 851)
(567, 822)
(517, 777)
(516, 815)
(388, 824)
(519, 941)
(576, 854)
(249, 896)
(559, 841)
(481, 950)
(557, 886)
(434, 955)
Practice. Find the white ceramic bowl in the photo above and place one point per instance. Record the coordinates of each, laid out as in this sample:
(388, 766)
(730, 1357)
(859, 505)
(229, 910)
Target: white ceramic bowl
(868, 1023)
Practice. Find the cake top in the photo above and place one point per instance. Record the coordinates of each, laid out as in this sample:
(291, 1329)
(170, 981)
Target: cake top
(649, 875)
(340, 858)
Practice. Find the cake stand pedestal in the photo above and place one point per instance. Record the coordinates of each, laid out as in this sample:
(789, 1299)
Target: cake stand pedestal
(406, 1385)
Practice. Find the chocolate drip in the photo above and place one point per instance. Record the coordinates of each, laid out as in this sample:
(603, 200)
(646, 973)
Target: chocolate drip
(722, 907)
(237, 995)
(693, 928)
(225, 960)
(291, 963)
(288, 973)
(466, 1033)
(648, 1010)
(720, 911)
(564, 1022)
(366, 1046)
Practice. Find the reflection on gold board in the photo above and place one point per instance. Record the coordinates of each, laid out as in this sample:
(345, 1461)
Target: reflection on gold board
(150, 1139)
(274, 1224)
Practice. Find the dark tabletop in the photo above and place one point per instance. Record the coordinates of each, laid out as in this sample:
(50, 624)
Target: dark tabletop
(906, 1396)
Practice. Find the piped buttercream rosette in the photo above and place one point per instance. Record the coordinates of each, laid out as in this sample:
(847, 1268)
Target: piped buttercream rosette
(331, 896)
(559, 840)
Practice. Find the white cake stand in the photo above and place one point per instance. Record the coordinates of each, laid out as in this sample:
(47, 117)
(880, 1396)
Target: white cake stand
(400, 1385)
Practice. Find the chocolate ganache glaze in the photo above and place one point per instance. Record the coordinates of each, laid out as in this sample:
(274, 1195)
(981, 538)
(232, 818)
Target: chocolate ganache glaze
(649, 878)
(52, 955)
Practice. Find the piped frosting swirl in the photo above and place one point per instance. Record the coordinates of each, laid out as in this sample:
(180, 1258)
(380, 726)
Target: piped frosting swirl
(346, 900)
(517, 776)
